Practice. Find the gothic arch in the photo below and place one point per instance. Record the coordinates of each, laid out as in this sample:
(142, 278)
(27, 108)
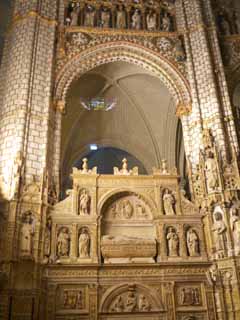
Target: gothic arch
(123, 51)
(113, 292)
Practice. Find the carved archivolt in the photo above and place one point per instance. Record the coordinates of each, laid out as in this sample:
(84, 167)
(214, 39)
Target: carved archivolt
(122, 298)
(123, 51)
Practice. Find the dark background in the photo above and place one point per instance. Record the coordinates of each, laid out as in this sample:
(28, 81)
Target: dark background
(4, 17)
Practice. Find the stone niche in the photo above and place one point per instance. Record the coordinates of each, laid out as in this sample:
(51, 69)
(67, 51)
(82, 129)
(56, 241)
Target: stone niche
(127, 230)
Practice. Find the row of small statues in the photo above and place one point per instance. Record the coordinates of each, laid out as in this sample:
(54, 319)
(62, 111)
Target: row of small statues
(119, 18)
(228, 22)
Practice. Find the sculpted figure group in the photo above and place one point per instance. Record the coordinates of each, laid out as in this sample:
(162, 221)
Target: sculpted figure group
(119, 17)
(131, 302)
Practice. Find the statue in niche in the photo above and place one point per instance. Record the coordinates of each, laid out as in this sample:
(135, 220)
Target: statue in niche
(219, 228)
(192, 243)
(236, 22)
(63, 243)
(143, 303)
(131, 302)
(168, 203)
(223, 23)
(118, 305)
(105, 18)
(84, 203)
(75, 15)
(121, 22)
(47, 241)
(211, 171)
(84, 244)
(136, 20)
(179, 50)
(166, 22)
(126, 209)
(235, 227)
(26, 235)
(172, 243)
(89, 17)
(151, 20)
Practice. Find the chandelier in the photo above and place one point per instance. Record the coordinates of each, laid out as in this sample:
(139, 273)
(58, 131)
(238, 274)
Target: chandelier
(98, 104)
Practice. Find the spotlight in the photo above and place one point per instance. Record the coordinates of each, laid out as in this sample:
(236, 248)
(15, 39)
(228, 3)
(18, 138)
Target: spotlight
(93, 147)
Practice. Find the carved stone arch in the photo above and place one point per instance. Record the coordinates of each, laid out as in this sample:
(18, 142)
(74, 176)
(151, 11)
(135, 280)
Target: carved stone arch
(109, 196)
(113, 292)
(149, 60)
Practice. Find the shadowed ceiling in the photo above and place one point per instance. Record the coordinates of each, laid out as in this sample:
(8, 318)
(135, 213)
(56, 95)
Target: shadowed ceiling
(143, 123)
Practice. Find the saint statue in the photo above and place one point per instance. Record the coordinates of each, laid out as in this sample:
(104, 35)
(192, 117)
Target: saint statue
(16, 173)
(89, 17)
(136, 20)
(75, 15)
(26, 236)
(172, 243)
(211, 171)
(168, 203)
(127, 209)
(143, 303)
(192, 243)
(105, 18)
(166, 22)
(151, 20)
(63, 243)
(121, 18)
(219, 228)
(235, 226)
(131, 302)
(84, 203)
(84, 244)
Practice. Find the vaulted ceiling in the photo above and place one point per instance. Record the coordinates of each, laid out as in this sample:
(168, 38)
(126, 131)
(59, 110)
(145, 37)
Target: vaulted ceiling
(143, 123)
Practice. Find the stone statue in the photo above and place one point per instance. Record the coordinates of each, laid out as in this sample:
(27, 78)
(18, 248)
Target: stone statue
(84, 203)
(143, 303)
(63, 243)
(26, 236)
(192, 243)
(166, 22)
(223, 24)
(121, 18)
(236, 22)
(172, 243)
(211, 171)
(151, 20)
(131, 302)
(118, 305)
(168, 203)
(235, 227)
(89, 17)
(179, 50)
(219, 228)
(84, 244)
(126, 209)
(47, 241)
(105, 18)
(136, 20)
(75, 15)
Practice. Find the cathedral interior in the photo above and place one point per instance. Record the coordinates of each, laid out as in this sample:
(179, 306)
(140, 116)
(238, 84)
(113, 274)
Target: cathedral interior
(120, 159)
